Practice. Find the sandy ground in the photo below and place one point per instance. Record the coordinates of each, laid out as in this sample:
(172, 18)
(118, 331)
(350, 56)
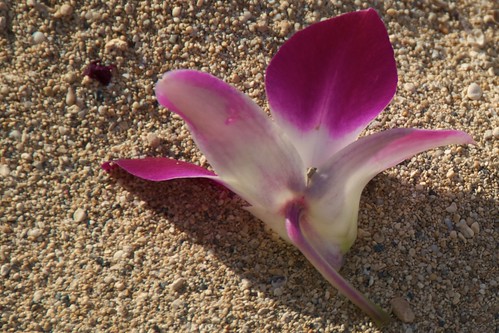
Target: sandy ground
(85, 251)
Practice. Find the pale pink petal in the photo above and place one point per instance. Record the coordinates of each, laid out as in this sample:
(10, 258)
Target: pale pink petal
(334, 192)
(328, 81)
(244, 147)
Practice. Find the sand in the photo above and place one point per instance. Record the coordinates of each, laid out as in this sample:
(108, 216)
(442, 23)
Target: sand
(82, 250)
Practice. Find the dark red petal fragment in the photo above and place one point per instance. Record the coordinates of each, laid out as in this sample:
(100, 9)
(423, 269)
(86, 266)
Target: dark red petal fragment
(99, 72)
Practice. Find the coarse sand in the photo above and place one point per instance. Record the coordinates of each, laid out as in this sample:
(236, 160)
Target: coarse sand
(85, 251)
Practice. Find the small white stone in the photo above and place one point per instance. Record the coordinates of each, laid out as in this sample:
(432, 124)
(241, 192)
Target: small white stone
(37, 296)
(34, 233)
(63, 130)
(79, 215)
(178, 284)
(410, 87)
(15, 134)
(66, 10)
(26, 157)
(495, 132)
(38, 37)
(474, 91)
(450, 174)
(487, 135)
(4, 170)
(120, 286)
(452, 208)
(118, 255)
(176, 11)
(245, 284)
(476, 38)
(116, 44)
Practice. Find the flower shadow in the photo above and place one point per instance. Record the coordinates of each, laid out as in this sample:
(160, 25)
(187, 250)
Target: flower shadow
(378, 264)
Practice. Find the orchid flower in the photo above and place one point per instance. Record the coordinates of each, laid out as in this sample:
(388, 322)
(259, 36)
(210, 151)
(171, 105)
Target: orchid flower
(303, 172)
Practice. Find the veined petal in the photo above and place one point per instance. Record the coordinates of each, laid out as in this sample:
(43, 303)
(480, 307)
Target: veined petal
(245, 148)
(328, 81)
(325, 260)
(334, 191)
(160, 168)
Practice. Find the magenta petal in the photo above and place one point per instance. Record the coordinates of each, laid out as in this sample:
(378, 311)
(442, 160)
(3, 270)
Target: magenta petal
(330, 80)
(159, 169)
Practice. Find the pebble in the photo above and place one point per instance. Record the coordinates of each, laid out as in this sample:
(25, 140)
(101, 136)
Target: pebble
(120, 286)
(402, 309)
(476, 38)
(37, 296)
(66, 10)
(361, 233)
(178, 284)
(456, 298)
(38, 37)
(118, 255)
(378, 238)
(263, 311)
(153, 140)
(116, 44)
(34, 233)
(452, 208)
(474, 91)
(70, 97)
(495, 132)
(79, 215)
(176, 11)
(391, 11)
(245, 284)
(15, 134)
(450, 174)
(475, 227)
(5, 269)
(464, 229)
(410, 87)
(3, 23)
(487, 135)
(453, 234)
(177, 304)
(4, 170)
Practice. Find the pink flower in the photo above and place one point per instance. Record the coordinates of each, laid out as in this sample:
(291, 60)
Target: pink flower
(303, 172)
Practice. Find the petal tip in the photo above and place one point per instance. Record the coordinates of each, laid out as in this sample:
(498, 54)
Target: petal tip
(107, 166)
